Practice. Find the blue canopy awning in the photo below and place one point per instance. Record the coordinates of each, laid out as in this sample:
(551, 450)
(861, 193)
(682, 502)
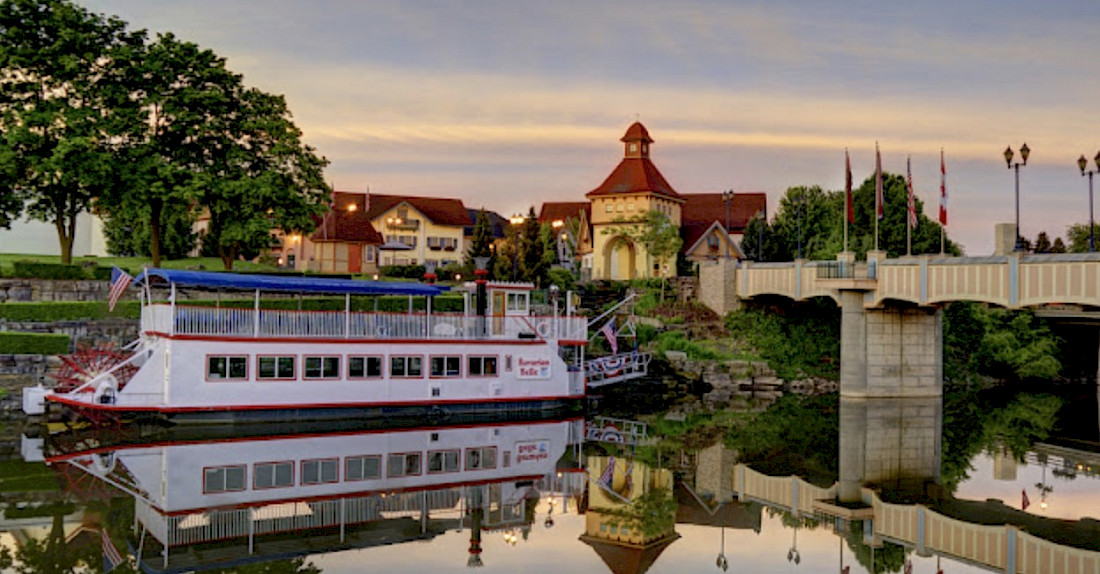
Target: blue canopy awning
(291, 284)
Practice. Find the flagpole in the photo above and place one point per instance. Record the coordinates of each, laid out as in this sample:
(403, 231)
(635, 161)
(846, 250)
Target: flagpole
(909, 207)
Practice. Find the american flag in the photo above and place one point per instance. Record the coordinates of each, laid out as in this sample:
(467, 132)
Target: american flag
(111, 556)
(943, 191)
(912, 200)
(608, 331)
(608, 473)
(880, 210)
(120, 280)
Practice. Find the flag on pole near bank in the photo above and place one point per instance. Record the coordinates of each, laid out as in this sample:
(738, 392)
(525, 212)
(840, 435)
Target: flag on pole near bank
(943, 191)
(608, 473)
(851, 211)
(912, 207)
(880, 212)
(111, 556)
(120, 280)
(608, 331)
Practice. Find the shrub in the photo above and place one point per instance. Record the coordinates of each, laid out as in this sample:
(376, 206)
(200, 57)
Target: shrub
(36, 270)
(678, 341)
(47, 311)
(18, 343)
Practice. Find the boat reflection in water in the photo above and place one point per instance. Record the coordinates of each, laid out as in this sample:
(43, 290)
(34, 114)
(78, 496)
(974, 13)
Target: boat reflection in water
(218, 502)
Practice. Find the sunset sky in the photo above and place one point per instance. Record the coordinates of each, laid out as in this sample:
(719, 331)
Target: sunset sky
(506, 104)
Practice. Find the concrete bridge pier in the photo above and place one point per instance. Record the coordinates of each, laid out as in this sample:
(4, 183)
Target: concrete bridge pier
(890, 351)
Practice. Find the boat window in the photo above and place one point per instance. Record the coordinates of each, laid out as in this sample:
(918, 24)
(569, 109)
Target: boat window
(362, 467)
(482, 366)
(223, 479)
(272, 474)
(362, 367)
(320, 471)
(449, 366)
(403, 464)
(223, 367)
(481, 458)
(406, 367)
(443, 461)
(322, 367)
(275, 367)
(517, 301)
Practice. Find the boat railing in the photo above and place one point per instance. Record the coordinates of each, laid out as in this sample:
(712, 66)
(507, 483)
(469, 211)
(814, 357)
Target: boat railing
(277, 324)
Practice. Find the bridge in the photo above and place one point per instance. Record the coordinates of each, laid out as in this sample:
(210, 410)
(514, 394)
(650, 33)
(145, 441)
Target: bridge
(891, 309)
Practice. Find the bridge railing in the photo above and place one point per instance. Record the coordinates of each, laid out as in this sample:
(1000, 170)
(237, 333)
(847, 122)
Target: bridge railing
(846, 270)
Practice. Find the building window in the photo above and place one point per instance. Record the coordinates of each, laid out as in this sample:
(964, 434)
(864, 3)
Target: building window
(275, 367)
(272, 474)
(403, 464)
(407, 367)
(448, 366)
(481, 458)
(517, 302)
(235, 367)
(481, 366)
(223, 479)
(363, 467)
(322, 367)
(442, 461)
(608, 208)
(630, 207)
(320, 471)
(633, 147)
(619, 207)
(364, 367)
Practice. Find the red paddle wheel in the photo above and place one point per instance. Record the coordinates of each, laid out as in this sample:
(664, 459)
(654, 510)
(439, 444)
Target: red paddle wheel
(89, 362)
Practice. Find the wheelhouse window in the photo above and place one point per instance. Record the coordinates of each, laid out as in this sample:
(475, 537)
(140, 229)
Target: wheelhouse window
(272, 474)
(322, 367)
(446, 366)
(442, 461)
(403, 464)
(481, 458)
(227, 367)
(481, 366)
(364, 367)
(275, 367)
(406, 367)
(517, 301)
(320, 471)
(363, 467)
(223, 479)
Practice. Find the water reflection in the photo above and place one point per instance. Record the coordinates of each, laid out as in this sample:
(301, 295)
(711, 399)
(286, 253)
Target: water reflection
(975, 482)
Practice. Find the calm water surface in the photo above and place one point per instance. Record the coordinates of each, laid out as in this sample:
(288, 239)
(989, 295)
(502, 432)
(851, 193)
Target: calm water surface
(533, 496)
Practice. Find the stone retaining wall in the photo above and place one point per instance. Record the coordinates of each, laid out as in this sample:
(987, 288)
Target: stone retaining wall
(54, 290)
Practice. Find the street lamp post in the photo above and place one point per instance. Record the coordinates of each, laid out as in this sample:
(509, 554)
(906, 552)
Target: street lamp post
(727, 198)
(516, 220)
(1083, 163)
(801, 202)
(1024, 152)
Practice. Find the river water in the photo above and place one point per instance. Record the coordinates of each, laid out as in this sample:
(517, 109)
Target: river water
(978, 481)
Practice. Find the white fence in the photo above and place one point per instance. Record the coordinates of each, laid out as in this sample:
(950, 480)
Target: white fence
(264, 323)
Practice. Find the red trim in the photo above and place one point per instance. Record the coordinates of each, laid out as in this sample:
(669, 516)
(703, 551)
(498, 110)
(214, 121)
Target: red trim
(573, 342)
(344, 341)
(271, 407)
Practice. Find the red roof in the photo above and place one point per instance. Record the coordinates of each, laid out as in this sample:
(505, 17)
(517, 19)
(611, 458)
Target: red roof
(341, 223)
(439, 210)
(701, 210)
(554, 210)
(637, 132)
(635, 175)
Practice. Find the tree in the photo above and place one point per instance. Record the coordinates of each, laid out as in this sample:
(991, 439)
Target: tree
(1078, 235)
(1042, 243)
(59, 96)
(264, 177)
(481, 244)
(531, 263)
(1059, 246)
(11, 205)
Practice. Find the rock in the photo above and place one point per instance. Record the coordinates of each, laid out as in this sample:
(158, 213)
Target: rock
(676, 356)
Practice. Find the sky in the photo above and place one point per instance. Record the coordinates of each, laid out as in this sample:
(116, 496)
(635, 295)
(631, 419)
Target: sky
(506, 104)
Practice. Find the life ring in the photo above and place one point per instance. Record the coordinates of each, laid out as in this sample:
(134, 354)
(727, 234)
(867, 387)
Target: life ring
(543, 329)
(106, 390)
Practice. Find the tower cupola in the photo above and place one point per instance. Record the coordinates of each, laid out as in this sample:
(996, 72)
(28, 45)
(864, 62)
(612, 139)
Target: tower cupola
(636, 141)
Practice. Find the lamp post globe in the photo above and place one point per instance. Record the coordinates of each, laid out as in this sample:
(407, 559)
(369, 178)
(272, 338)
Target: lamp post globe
(1024, 153)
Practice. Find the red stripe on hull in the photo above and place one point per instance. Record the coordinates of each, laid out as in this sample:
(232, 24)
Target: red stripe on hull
(330, 341)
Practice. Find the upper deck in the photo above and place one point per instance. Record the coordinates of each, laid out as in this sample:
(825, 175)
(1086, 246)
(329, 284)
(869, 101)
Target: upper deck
(216, 322)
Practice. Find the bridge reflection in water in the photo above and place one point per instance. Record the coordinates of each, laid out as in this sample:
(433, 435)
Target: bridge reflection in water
(891, 448)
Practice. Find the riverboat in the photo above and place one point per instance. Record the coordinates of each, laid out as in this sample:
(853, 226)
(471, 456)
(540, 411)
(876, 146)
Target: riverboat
(212, 501)
(216, 364)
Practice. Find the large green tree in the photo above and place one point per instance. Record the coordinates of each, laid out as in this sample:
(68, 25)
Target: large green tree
(1078, 235)
(59, 97)
(532, 264)
(263, 176)
(481, 244)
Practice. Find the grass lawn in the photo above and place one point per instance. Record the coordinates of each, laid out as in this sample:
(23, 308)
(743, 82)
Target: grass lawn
(134, 264)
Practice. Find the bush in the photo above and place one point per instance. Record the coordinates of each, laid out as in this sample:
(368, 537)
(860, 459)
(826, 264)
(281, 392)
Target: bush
(35, 270)
(403, 271)
(18, 343)
(678, 341)
(47, 311)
